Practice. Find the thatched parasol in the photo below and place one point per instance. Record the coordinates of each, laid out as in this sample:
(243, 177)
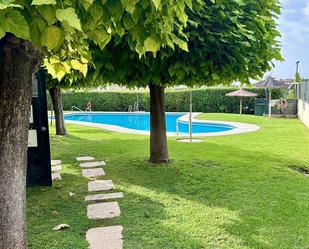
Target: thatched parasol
(270, 83)
(241, 93)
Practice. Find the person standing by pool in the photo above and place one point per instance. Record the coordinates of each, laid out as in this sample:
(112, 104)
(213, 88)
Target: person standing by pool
(89, 106)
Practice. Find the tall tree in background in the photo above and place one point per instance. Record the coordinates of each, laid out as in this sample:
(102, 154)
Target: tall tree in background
(228, 40)
(55, 95)
(59, 31)
(73, 80)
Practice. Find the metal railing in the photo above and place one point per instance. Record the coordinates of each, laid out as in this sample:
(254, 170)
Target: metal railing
(76, 108)
(303, 91)
(181, 122)
(134, 108)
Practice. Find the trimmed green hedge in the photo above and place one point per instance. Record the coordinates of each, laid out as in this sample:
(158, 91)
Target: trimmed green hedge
(204, 100)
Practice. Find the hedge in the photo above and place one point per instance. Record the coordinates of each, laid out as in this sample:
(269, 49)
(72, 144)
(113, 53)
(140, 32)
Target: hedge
(204, 100)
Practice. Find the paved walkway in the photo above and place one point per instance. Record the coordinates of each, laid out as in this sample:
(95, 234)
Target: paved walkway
(109, 237)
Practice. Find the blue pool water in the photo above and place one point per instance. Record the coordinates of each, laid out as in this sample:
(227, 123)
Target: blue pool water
(141, 121)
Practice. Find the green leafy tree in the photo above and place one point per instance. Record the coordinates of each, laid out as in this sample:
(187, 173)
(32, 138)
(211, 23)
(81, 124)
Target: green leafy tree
(75, 79)
(298, 78)
(225, 41)
(55, 95)
(291, 93)
(58, 32)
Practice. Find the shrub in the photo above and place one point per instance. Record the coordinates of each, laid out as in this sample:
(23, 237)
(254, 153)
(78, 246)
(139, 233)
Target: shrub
(204, 100)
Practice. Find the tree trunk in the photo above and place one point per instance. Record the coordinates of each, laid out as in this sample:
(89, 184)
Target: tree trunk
(18, 62)
(158, 139)
(55, 94)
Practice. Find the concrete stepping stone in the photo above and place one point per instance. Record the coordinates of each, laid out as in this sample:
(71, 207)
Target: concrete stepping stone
(56, 168)
(55, 162)
(99, 197)
(92, 164)
(84, 158)
(105, 237)
(100, 185)
(103, 210)
(56, 176)
(93, 172)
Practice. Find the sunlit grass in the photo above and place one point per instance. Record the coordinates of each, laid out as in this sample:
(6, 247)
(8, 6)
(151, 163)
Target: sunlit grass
(228, 192)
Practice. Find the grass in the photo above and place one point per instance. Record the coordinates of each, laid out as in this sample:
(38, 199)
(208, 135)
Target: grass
(235, 191)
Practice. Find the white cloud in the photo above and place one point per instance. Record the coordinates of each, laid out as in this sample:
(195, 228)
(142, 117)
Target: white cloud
(294, 27)
(306, 10)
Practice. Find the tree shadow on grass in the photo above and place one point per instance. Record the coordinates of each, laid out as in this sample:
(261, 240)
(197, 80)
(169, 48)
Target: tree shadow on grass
(48, 207)
(261, 196)
(250, 194)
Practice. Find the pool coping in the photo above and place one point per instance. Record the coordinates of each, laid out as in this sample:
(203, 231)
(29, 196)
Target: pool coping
(239, 127)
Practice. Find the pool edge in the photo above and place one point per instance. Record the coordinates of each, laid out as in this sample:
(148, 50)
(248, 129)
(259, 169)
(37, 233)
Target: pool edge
(239, 127)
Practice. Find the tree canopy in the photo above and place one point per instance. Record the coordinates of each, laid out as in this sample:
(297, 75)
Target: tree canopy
(62, 29)
(224, 41)
(228, 40)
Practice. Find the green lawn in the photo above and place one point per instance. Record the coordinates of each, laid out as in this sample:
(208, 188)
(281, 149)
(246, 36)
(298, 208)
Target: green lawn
(228, 192)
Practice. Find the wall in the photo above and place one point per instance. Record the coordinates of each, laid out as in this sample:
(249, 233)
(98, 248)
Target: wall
(303, 111)
(303, 102)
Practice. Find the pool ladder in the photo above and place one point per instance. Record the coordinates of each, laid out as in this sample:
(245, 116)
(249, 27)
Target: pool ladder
(75, 108)
(134, 108)
(80, 110)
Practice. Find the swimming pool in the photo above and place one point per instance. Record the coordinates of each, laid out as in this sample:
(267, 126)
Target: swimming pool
(139, 123)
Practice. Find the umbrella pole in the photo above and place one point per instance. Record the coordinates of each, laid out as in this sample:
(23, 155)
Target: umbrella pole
(269, 103)
(190, 117)
(240, 106)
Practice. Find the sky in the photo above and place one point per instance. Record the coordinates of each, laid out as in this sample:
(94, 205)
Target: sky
(294, 28)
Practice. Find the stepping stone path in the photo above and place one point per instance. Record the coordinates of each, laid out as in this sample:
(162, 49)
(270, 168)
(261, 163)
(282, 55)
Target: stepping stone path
(100, 185)
(84, 158)
(109, 237)
(55, 162)
(92, 164)
(100, 197)
(103, 210)
(93, 172)
(105, 237)
(56, 176)
(56, 168)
